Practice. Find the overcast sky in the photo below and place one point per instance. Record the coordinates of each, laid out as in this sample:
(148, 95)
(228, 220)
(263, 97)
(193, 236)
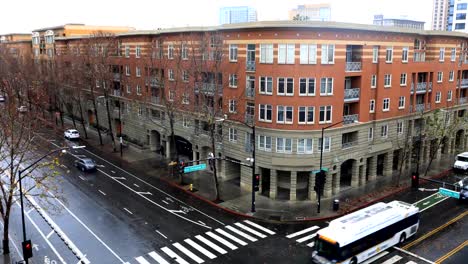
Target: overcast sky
(23, 16)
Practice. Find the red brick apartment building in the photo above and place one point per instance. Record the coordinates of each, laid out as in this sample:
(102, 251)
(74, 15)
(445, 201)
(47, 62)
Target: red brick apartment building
(290, 79)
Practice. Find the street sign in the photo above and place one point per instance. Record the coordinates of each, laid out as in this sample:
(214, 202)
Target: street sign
(195, 168)
(449, 193)
(317, 171)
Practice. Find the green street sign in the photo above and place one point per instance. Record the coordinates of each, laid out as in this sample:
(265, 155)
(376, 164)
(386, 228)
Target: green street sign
(195, 168)
(449, 193)
(317, 171)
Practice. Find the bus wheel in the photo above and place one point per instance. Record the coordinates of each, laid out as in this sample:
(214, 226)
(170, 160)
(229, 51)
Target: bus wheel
(353, 261)
(403, 238)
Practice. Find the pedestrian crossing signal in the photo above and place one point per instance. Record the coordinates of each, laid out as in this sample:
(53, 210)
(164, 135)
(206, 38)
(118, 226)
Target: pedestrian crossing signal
(27, 249)
(256, 186)
(415, 180)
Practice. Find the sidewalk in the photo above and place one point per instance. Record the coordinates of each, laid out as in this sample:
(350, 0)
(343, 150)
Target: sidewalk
(151, 164)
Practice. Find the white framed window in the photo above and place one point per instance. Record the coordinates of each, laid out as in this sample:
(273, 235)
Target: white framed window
(127, 70)
(403, 77)
(326, 144)
(185, 76)
(370, 134)
(400, 128)
(304, 145)
(326, 86)
(387, 80)
(386, 105)
(328, 54)
(185, 122)
(306, 114)
(138, 89)
(284, 114)
(137, 51)
(266, 85)
(138, 71)
(449, 96)
(184, 49)
(441, 54)
(373, 81)
(129, 88)
(283, 145)
(233, 80)
(308, 54)
(325, 114)
(232, 106)
(185, 98)
(170, 51)
(286, 53)
(232, 134)
(306, 86)
(171, 75)
(389, 55)
(438, 97)
(375, 54)
(440, 76)
(372, 106)
(233, 52)
(404, 54)
(384, 131)
(171, 95)
(453, 54)
(140, 111)
(127, 51)
(264, 143)
(266, 53)
(451, 76)
(401, 102)
(285, 86)
(265, 112)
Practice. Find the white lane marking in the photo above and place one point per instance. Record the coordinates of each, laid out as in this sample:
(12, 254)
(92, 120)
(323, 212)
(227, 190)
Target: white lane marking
(211, 244)
(158, 258)
(100, 166)
(201, 222)
(260, 227)
(302, 231)
(142, 260)
(233, 238)
(50, 234)
(112, 171)
(433, 204)
(81, 177)
(200, 248)
(136, 185)
(161, 234)
(250, 230)
(145, 193)
(118, 178)
(392, 260)
(29, 210)
(300, 240)
(165, 202)
(240, 233)
(128, 211)
(173, 255)
(376, 257)
(430, 196)
(87, 228)
(426, 203)
(177, 211)
(103, 193)
(222, 240)
(12, 242)
(412, 254)
(411, 262)
(188, 253)
(311, 244)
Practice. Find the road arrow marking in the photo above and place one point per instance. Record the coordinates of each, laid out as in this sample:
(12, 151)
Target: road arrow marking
(100, 166)
(113, 171)
(426, 203)
(145, 193)
(177, 211)
(51, 232)
(119, 178)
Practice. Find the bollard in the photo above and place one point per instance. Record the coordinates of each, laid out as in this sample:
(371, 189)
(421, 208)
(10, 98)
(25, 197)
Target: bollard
(191, 187)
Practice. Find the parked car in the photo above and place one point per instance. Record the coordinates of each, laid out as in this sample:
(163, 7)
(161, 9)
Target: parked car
(71, 134)
(85, 164)
(22, 109)
(2, 98)
(461, 162)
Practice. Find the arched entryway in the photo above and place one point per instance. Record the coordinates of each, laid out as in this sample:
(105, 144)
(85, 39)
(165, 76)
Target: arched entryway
(155, 141)
(184, 147)
(346, 173)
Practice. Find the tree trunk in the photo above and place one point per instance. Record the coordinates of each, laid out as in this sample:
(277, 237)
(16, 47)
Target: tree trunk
(97, 121)
(82, 120)
(73, 119)
(215, 174)
(171, 124)
(111, 133)
(6, 228)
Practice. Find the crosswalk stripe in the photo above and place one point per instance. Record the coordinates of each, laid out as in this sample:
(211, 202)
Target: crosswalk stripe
(311, 244)
(312, 228)
(250, 230)
(222, 240)
(392, 260)
(306, 238)
(142, 260)
(200, 248)
(260, 227)
(233, 238)
(411, 262)
(173, 255)
(240, 233)
(188, 253)
(211, 244)
(158, 258)
(376, 257)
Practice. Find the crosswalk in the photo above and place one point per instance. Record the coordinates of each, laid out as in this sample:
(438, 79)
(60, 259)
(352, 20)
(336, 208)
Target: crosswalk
(208, 246)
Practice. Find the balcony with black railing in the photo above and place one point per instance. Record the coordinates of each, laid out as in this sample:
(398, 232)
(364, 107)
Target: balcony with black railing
(421, 87)
(250, 66)
(208, 88)
(351, 94)
(350, 119)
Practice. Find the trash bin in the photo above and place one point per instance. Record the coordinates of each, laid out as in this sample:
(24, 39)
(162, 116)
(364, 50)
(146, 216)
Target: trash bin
(336, 205)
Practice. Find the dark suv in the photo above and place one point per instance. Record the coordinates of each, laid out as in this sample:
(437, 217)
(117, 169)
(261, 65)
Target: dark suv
(463, 189)
(85, 164)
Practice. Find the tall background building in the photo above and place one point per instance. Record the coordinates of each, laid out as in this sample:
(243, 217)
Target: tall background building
(237, 14)
(440, 14)
(398, 22)
(314, 12)
(450, 15)
(458, 15)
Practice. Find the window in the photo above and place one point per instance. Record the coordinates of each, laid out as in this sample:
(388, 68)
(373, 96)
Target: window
(439, 76)
(285, 86)
(284, 114)
(373, 81)
(438, 97)
(171, 75)
(140, 111)
(442, 54)
(286, 53)
(232, 106)
(449, 96)
(171, 95)
(451, 76)
(461, 16)
(264, 143)
(138, 89)
(304, 145)
(370, 134)
(404, 54)
(399, 128)
(170, 51)
(184, 51)
(462, 6)
(185, 76)
(387, 80)
(266, 53)
(308, 54)
(127, 51)
(389, 55)
(185, 98)
(372, 106)
(137, 51)
(328, 54)
(129, 88)
(403, 79)
(232, 134)
(233, 80)
(386, 105)
(127, 70)
(459, 25)
(384, 131)
(233, 52)
(375, 54)
(186, 122)
(138, 71)
(325, 115)
(306, 114)
(283, 145)
(306, 86)
(265, 113)
(401, 102)
(266, 85)
(326, 144)
(326, 86)
(453, 54)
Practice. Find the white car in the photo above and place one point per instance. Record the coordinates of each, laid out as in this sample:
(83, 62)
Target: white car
(71, 134)
(461, 162)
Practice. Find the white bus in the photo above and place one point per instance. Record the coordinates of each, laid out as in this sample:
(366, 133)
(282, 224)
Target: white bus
(358, 236)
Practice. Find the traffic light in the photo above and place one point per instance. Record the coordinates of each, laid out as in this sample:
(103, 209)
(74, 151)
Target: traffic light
(415, 180)
(27, 249)
(182, 165)
(256, 186)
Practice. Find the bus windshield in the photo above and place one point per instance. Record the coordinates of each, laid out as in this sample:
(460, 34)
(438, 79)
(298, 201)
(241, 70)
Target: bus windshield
(325, 249)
